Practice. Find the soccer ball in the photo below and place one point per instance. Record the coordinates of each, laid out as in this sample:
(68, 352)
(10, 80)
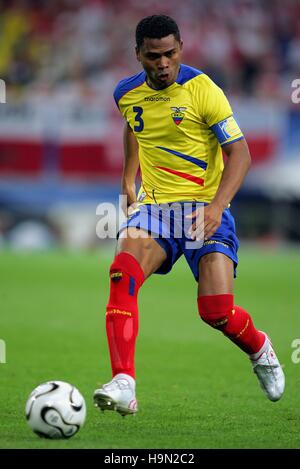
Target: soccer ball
(55, 410)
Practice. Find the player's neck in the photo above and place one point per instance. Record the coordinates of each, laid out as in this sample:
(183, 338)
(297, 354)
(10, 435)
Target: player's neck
(157, 87)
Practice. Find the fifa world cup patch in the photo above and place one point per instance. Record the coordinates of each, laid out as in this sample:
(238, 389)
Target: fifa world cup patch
(226, 130)
(178, 114)
(116, 276)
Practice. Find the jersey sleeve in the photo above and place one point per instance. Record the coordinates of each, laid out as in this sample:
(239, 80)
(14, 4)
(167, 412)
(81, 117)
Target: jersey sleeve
(124, 88)
(217, 113)
(118, 94)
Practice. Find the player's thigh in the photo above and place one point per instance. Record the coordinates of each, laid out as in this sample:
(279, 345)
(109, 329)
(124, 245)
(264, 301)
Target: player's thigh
(216, 274)
(149, 254)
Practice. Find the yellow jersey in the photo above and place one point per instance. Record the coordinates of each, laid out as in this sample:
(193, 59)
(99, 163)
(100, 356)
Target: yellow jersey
(180, 130)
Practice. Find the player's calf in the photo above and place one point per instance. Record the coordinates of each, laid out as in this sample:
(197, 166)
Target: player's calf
(219, 312)
(126, 277)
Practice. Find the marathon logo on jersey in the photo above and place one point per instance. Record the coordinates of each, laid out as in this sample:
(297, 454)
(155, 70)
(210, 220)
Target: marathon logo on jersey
(157, 99)
(178, 114)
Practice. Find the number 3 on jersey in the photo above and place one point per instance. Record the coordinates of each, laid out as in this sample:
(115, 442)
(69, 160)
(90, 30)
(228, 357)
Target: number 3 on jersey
(140, 123)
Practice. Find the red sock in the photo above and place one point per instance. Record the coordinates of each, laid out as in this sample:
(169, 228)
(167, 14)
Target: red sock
(249, 338)
(126, 277)
(220, 312)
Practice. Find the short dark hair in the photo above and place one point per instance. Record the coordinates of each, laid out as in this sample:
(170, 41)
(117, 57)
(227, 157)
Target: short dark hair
(156, 27)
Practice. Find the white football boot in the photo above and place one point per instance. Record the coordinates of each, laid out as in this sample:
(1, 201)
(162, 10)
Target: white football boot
(118, 394)
(268, 370)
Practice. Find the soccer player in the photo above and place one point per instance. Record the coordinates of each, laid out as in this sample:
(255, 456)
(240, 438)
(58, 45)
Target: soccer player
(177, 121)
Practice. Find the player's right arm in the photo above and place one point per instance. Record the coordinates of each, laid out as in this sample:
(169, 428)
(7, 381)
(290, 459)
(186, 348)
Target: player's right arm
(130, 166)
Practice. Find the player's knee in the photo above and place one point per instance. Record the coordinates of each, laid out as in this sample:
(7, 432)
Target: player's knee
(125, 266)
(215, 310)
(126, 277)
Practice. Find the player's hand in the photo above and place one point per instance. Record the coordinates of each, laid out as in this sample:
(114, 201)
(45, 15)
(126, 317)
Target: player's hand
(212, 219)
(128, 208)
(128, 202)
(131, 208)
(205, 223)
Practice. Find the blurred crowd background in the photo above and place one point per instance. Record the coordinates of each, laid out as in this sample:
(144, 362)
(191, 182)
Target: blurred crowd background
(61, 134)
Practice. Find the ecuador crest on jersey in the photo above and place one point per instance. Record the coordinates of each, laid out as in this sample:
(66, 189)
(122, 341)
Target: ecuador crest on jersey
(178, 114)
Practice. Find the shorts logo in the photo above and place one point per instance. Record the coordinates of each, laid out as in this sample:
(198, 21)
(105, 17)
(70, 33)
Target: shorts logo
(212, 241)
(178, 114)
(116, 276)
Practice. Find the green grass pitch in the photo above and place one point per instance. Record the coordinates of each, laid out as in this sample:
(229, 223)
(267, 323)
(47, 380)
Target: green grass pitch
(195, 388)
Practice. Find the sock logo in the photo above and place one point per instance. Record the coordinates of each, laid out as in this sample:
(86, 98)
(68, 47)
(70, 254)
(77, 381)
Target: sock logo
(118, 311)
(219, 323)
(116, 276)
(243, 330)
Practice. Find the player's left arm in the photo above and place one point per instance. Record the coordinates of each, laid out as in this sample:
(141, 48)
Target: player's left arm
(236, 168)
(216, 111)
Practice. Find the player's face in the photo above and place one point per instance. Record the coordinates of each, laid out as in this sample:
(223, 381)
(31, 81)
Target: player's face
(160, 59)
